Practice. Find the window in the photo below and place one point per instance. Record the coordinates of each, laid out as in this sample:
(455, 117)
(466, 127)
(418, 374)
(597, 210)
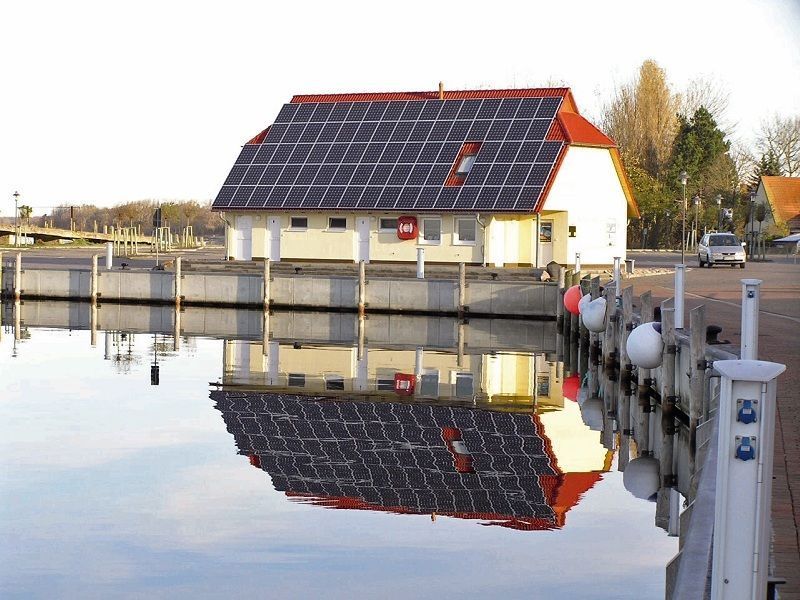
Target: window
(431, 231)
(337, 223)
(466, 231)
(298, 223)
(465, 165)
(465, 385)
(387, 224)
(429, 384)
(297, 380)
(546, 232)
(334, 382)
(385, 384)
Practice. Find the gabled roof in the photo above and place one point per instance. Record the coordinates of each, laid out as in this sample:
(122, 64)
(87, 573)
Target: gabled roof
(783, 194)
(397, 152)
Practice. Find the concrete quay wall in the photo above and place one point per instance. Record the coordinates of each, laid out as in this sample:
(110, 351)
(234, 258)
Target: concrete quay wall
(532, 299)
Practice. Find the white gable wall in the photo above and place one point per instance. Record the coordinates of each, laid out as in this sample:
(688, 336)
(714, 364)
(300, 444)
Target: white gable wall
(587, 187)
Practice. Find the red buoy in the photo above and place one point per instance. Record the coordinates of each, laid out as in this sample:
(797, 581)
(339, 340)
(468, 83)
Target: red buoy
(571, 299)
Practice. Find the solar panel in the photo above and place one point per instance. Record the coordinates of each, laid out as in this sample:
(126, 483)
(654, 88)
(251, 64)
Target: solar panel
(398, 155)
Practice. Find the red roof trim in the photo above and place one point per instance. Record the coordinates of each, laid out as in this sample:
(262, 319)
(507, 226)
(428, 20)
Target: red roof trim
(581, 132)
(448, 95)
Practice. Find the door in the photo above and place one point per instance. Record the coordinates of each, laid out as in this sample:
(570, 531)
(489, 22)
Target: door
(362, 227)
(243, 246)
(545, 242)
(274, 239)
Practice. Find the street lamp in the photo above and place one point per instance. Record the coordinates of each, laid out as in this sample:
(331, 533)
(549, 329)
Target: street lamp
(16, 229)
(684, 177)
(696, 228)
(719, 212)
(751, 235)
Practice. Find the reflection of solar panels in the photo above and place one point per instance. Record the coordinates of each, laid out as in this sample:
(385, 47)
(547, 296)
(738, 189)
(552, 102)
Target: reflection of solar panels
(392, 456)
(397, 155)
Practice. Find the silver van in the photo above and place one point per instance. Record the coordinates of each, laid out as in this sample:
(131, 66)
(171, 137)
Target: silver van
(720, 249)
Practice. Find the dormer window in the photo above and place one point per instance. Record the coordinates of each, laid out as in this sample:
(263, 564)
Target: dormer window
(465, 166)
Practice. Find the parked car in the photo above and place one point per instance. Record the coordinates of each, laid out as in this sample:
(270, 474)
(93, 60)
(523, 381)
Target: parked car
(720, 249)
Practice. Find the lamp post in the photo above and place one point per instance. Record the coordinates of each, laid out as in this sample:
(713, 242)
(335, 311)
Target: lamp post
(719, 212)
(684, 177)
(16, 227)
(696, 228)
(751, 235)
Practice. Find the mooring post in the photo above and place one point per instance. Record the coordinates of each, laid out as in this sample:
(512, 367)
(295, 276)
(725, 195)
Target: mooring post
(668, 400)
(267, 280)
(93, 283)
(697, 376)
(610, 352)
(265, 332)
(362, 337)
(594, 345)
(560, 321)
(750, 300)
(2, 289)
(680, 279)
(420, 263)
(566, 325)
(644, 404)
(109, 256)
(577, 262)
(18, 277)
(178, 277)
(176, 328)
(583, 342)
(461, 342)
(362, 287)
(93, 325)
(625, 377)
(617, 276)
(462, 289)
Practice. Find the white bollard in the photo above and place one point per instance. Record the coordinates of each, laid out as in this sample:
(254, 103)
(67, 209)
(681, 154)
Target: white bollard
(577, 262)
(420, 263)
(617, 277)
(750, 299)
(680, 278)
(744, 478)
(109, 255)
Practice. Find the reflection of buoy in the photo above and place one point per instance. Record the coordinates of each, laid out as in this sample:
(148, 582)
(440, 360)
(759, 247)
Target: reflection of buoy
(645, 345)
(592, 413)
(571, 299)
(641, 477)
(571, 386)
(584, 302)
(594, 315)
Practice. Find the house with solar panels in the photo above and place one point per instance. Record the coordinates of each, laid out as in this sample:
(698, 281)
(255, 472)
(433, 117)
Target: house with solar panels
(501, 177)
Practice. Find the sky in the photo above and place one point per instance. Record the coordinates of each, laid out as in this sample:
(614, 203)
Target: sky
(108, 102)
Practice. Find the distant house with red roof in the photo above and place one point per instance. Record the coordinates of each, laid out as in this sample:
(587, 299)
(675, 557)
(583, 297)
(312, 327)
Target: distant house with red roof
(781, 196)
(500, 177)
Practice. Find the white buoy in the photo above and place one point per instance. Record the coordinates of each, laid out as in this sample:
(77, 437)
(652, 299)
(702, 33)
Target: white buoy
(592, 413)
(645, 345)
(584, 303)
(594, 315)
(641, 477)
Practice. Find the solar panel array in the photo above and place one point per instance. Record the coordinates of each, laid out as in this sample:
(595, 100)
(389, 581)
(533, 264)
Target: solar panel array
(397, 155)
(392, 454)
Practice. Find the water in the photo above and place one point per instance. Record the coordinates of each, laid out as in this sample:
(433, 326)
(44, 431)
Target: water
(224, 479)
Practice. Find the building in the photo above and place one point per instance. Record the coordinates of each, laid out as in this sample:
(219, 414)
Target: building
(501, 177)
(781, 197)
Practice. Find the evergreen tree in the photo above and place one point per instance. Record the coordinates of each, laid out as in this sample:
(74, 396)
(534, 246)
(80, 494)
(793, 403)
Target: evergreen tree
(768, 165)
(698, 146)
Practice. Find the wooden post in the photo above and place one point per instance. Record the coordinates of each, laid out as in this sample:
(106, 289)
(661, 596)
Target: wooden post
(93, 325)
(566, 327)
(610, 350)
(2, 289)
(267, 280)
(462, 289)
(176, 328)
(93, 293)
(644, 407)
(594, 345)
(560, 323)
(18, 277)
(625, 377)
(265, 330)
(583, 345)
(362, 287)
(461, 342)
(668, 479)
(178, 276)
(362, 336)
(576, 278)
(697, 371)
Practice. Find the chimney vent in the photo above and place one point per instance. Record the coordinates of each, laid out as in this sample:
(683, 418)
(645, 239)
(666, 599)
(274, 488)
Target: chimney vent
(441, 90)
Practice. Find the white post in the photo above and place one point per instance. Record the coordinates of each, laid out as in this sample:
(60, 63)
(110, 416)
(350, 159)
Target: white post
(93, 292)
(18, 277)
(108, 346)
(178, 281)
(750, 297)
(577, 262)
(680, 274)
(744, 478)
(109, 255)
(420, 263)
(617, 277)
(267, 277)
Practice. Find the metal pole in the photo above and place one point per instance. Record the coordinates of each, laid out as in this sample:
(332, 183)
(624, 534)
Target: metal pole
(680, 273)
(18, 277)
(93, 293)
(683, 227)
(577, 262)
(109, 255)
(16, 227)
(750, 297)
(617, 276)
(420, 263)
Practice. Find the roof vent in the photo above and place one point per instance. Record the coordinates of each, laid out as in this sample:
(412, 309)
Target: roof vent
(441, 90)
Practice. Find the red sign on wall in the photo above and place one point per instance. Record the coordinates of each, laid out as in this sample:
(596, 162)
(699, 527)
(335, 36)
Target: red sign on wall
(404, 383)
(407, 228)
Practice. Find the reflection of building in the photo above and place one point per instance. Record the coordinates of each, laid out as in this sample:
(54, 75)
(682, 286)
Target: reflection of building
(501, 379)
(406, 458)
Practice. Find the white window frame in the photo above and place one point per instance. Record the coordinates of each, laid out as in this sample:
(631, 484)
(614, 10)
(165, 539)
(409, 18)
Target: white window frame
(457, 241)
(455, 376)
(382, 229)
(427, 373)
(466, 163)
(421, 220)
(331, 378)
(337, 229)
(295, 228)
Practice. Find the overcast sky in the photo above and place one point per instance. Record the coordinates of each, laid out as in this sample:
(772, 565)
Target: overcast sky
(105, 102)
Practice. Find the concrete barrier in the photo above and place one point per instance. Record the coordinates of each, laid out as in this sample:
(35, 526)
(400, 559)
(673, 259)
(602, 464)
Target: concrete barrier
(532, 299)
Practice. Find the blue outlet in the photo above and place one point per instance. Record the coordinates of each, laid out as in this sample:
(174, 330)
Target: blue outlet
(746, 449)
(747, 412)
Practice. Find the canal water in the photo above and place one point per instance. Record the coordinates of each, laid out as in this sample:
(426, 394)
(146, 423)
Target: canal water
(325, 460)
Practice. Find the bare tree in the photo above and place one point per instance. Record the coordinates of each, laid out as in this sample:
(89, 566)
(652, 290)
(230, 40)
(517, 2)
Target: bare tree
(711, 94)
(781, 136)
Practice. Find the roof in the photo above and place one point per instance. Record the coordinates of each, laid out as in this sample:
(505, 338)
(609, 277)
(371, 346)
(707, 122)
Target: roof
(398, 151)
(783, 194)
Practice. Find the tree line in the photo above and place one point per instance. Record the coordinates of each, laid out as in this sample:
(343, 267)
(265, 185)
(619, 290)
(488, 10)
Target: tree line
(663, 134)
